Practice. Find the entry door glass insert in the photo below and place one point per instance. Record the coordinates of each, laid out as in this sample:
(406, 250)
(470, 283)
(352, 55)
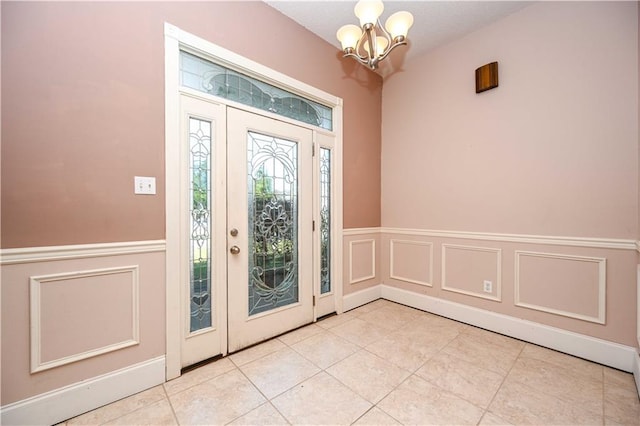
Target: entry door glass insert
(273, 222)
(270, 221)
(200, 223)
(325, 220)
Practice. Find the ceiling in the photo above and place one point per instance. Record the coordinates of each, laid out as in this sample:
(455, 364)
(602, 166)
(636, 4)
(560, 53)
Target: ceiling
(435, 22)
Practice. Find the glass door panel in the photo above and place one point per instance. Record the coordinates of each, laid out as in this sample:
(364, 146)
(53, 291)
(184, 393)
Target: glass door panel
(273, 222)
(270, 278)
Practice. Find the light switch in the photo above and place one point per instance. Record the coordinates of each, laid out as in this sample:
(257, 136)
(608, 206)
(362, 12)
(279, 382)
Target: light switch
(145, 185)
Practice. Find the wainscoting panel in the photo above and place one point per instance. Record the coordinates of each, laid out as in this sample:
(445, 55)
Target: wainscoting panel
(66, 328)
(567, 285)
(363, 260)
(411, 261)
(75, 316)
(466, 269)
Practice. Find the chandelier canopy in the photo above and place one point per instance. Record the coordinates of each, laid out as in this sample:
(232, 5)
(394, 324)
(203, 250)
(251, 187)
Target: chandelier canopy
(370, 43)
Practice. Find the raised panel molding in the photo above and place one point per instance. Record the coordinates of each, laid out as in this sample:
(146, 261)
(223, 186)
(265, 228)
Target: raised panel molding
(36, 283)
(372, 273)
(602, 273)
(498, 266)
(395, 276)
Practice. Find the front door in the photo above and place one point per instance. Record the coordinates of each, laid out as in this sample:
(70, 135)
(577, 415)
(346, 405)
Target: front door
(247, 217)
(269, 217)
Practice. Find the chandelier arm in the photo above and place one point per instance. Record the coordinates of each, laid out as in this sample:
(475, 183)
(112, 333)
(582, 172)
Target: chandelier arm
(371, 39)
(363, 60)
(390, 48)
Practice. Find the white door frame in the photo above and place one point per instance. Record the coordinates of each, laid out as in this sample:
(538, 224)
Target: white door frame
(175, 39)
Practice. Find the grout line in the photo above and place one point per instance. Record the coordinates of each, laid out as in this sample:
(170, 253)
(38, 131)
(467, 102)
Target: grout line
(173, 410)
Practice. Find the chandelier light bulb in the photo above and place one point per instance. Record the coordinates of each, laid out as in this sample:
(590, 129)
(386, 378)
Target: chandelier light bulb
(368, 11)
(381, 45)
(398, 24)
(348, 35)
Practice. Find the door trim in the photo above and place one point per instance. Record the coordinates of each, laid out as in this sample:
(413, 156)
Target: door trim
(175, 39)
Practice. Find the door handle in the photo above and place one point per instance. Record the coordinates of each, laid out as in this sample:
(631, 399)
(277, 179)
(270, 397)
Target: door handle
(234, 250)
(234, 232)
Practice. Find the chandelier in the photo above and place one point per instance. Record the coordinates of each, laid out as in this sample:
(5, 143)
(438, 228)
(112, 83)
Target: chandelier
(370, 43)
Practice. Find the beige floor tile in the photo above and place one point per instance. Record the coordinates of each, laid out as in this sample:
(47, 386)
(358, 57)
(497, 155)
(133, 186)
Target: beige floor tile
(217, 401)
(279, 371)
(518, 403)
(417, 401)
(263, 415)
(462, 378)
(490, 419)
(381, 375)
(431, 321)
(376, 417)
(474, 349)
(508, 343)
(199, 375)
(407, 352)
(325, 349)
(120, 408)
(258, 351)
(300, 334)
(321, 400)
(391, 317)
(359, 332)
(579, 391)
(159, 413)
(621, 403)
(570, 363)
(335, 320)
(372, 306)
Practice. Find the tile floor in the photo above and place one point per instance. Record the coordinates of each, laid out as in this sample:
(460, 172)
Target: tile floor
(386, 364)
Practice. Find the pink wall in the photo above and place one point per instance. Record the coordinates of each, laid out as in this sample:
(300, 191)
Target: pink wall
(552, 151)
(84, 111)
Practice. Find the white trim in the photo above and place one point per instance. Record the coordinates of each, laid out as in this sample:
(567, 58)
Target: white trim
(79, 251)
(597, 350)
(609, 243)
(602, 285)
(175, 39)
(36, 283)
(638, 246)
(373, 261)
(394, 276)
(444, 286)
(362, 297)
(636, 371)
(360, 231)
(69, 401)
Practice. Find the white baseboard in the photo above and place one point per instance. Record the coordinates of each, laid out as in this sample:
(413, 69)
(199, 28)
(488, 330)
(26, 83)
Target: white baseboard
(601, 351)
(636, 371)
(359, 298)
(597, 350)
(70, 401)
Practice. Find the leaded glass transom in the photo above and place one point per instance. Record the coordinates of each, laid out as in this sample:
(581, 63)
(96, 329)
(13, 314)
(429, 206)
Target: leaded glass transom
(325, 220)
(200, 223)
(205, 76)
(273, 222)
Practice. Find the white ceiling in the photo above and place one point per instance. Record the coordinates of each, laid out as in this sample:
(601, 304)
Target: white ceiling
(435, 22)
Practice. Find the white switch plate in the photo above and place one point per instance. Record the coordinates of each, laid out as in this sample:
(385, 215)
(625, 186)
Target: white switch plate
(144, 185)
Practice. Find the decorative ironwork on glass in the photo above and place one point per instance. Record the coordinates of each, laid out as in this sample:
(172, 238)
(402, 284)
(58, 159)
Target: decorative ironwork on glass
(205, 76)
(273, 222)
(325, 220)
(200, 223)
